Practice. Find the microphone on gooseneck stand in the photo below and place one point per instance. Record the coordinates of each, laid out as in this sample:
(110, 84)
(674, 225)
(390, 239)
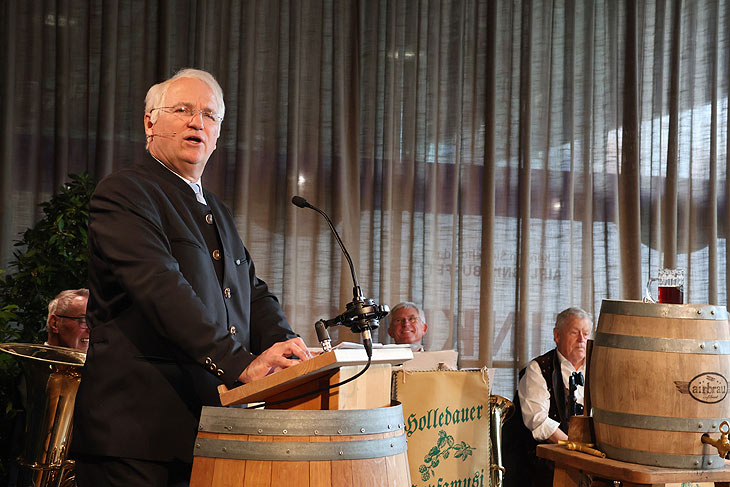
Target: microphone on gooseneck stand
(362, 314)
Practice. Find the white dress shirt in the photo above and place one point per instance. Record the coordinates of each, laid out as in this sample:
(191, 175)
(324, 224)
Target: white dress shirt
(535, 398)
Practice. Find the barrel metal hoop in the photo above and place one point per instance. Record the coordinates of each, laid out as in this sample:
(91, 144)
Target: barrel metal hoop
(654, 344)
(662, 310)
(659, 423)
(281, 422)
(300, 451)
(690, 462)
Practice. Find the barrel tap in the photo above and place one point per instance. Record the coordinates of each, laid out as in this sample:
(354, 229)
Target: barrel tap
(722, 444)
(584, 447)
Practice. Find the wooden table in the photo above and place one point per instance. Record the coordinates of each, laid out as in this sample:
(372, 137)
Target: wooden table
(573, 468)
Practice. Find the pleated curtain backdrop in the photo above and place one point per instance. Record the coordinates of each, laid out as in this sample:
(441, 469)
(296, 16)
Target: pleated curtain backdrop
(494, 161)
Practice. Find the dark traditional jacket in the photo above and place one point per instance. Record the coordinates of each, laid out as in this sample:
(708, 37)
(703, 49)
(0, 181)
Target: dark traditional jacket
(175, 310)
(523, 467)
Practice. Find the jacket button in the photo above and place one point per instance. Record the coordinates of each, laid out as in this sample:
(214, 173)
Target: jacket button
(212, 367)
(208, 361)
(233, 330)
(209, 218)
(219, 373)
(227, 293)
(217, 254)
(238, 261)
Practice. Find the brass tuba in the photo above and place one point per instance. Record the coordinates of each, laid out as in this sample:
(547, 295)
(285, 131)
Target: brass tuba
(52, 376)
(500, 409)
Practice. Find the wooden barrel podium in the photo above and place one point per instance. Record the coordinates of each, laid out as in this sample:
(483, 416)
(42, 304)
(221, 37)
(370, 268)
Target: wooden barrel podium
(347, 436)
(252, 447)
(658, 381)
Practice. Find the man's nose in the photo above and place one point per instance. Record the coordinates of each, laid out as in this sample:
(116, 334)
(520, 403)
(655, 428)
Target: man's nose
(196, 121)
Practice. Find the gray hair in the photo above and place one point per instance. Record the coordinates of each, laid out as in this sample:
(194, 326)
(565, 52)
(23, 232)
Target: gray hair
(407, 304)
(62, 301)
(572, 312)
(156, 94)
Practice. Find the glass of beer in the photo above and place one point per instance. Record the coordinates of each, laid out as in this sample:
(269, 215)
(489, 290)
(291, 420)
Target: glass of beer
(670, 287)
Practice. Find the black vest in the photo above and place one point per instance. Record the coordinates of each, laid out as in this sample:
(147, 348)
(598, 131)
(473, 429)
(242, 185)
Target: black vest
(522, 466)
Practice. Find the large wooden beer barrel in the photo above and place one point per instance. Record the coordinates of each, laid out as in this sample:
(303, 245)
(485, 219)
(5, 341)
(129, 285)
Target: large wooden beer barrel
(659, 380)
(252, 447)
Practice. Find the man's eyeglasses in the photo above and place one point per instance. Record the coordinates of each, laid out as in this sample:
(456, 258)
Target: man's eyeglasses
(411, 319)
(80, 320)
(185, 112)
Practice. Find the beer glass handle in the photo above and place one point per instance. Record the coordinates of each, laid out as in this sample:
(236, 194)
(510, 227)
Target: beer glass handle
(647, 292)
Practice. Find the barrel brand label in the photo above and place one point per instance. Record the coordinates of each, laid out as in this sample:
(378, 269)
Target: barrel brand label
(708, 387)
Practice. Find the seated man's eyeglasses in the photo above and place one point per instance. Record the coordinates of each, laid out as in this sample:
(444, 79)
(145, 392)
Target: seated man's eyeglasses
(185, 112)
(80, 320)
(413, 319)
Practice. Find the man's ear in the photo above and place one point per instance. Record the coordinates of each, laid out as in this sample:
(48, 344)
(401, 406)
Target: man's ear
(425, 328)
(390, 332)
(148, 124)
(53, 324)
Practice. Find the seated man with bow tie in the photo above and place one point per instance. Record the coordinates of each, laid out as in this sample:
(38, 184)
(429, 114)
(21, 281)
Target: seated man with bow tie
(549, 392)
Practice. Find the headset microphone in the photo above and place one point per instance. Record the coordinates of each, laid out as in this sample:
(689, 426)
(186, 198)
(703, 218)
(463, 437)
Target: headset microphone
(161, 134)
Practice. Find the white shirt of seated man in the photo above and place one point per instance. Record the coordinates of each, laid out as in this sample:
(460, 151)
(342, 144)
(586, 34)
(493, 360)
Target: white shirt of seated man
(571, 336)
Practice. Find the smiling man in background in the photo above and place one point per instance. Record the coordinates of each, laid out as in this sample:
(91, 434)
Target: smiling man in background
(407, 324)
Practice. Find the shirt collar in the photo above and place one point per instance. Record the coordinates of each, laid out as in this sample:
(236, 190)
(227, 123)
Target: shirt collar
(567, 365)
(199, 182)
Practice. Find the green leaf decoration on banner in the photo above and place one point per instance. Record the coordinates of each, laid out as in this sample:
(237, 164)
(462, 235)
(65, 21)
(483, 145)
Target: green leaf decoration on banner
(444, 444)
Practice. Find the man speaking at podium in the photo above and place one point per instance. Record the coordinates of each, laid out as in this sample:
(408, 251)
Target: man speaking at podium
(175, 308)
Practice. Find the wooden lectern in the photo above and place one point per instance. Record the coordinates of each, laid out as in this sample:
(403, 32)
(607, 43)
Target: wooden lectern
(372, 390)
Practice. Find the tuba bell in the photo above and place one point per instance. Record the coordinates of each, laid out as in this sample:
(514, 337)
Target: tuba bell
(500, 409)
(52, 376)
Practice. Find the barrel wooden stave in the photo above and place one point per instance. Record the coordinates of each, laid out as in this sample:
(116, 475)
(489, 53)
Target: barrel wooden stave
(321, 470)
(257, 473)
(285, 473)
